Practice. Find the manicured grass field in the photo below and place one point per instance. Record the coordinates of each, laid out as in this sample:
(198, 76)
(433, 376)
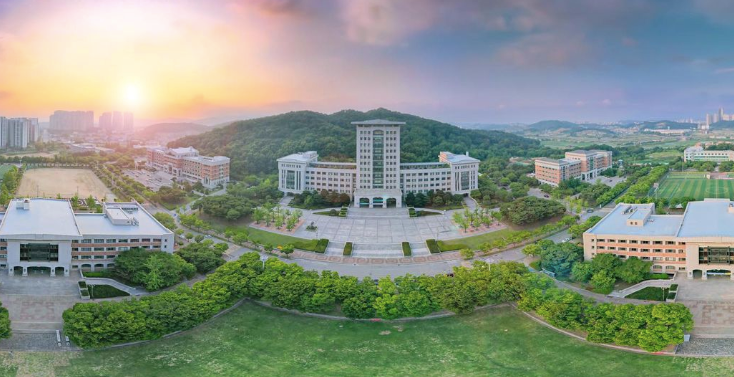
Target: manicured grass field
(650, 293)
(473, 242)
(255, 341)
(693, 184)
(275, 239)
(4, 169)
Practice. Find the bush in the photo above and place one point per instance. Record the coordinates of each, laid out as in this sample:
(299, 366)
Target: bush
(659, 277)
(466, 253)
(321, 245)
(98, 274)
(204, 256)
(348, 249)
(82, 284)
(406, 249)
(433, 246)
(674, 287)
(671, 295)
(152, 269)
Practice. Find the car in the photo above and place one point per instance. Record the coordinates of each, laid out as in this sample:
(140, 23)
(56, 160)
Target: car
(567, 239)
(546, 196)
(589, 211)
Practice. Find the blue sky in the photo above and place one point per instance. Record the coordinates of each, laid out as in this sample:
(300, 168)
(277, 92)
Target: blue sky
(496, 61)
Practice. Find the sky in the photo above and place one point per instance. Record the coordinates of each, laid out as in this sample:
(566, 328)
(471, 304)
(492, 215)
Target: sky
(492, 61)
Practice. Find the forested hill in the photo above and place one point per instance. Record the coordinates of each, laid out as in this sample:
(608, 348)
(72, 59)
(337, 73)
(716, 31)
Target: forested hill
(254, 145)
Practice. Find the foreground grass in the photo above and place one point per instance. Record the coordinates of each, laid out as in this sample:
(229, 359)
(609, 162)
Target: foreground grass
(255, 341)
(264, 237)
(473, 242)
(650, 293)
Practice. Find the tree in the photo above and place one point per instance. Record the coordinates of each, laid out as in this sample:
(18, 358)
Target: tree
(166, 220)
(287, 249)
(605, 262)
(203, 256)
(578, 230)
(582, 272)
(603, 281)
(560, 258)
(530, 209)
(189, 236)
(199, 238)
(666, 326)
(633, 270)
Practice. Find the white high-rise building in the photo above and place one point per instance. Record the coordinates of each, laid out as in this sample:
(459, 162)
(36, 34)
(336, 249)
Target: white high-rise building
(128, 123)
(378, 178)
(18, 133)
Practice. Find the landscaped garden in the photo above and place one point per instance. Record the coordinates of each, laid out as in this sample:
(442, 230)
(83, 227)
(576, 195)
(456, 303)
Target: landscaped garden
(256, 341)
(650, 294)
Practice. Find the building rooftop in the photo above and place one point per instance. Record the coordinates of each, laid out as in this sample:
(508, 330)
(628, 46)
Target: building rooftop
(39, 219)
(120, 219)
(302, 157)
(458, 158)
(708, 218)
(378, 122)
(656, 225)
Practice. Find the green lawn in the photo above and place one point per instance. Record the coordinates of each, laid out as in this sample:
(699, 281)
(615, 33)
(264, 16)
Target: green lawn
(693, 184)
(650, 293)
(473, 242)
(255, 341)
(4, 169)
(275, 239)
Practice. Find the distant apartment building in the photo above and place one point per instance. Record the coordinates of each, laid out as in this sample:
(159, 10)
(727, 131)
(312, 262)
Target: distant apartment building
(117, 121)
(378, 178)
(579, 164)
(128, 123)
(70, 121)
(700, 242)
(18, 133)
(698, 153)
(105, 121)
(187, 164)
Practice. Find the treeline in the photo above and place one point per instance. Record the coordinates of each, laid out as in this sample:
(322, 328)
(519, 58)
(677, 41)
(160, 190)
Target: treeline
(10, 183)
(643, 185)
(289, 286)
(255, 145)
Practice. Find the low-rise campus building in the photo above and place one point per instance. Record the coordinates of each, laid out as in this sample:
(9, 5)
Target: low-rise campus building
(698, 242)
(698, 153)
(378, 178)
(46, 234)
(583, 165)
(186, 163)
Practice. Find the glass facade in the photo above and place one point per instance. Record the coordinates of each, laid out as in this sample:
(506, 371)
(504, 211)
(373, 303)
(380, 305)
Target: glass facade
(715, 255)
(378, 159)
(39, 252)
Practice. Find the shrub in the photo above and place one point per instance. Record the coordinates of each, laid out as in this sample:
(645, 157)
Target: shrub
(467, 253)
(321, 245)
(348, 249)
(82, 284)
(674, 287)
(659, 277)
(433, 246)
(671, 295)
(105, 291)
(406, 249)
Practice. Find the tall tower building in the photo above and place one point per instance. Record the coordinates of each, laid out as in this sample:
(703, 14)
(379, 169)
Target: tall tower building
(378, 154)
(105, 121)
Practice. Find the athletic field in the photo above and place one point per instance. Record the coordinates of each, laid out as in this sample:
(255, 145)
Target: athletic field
(695, 185)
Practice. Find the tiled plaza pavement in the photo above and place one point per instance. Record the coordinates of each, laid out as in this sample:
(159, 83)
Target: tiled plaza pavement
(36, 303)
(379, 230)
(375, 261)
(712, 304)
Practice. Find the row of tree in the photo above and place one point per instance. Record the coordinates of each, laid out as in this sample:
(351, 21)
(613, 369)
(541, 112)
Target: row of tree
(289, 286)
(438, 198)
(530, 209)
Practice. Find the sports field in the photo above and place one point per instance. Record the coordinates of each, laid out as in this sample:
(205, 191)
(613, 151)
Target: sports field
(695, 185)
(48, 182)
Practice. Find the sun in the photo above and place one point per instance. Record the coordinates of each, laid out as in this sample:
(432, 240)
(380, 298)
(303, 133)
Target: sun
(132, 95)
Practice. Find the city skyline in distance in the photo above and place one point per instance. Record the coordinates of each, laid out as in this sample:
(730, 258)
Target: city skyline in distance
(503, 62)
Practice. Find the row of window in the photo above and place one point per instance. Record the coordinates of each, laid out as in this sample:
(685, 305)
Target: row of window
(120, 240)
(643, 242)
(641, 250)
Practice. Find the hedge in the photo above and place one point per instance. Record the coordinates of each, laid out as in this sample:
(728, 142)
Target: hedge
(406, 249)
(433, 246)
(321, 245)
(289, 286)
(348, 249)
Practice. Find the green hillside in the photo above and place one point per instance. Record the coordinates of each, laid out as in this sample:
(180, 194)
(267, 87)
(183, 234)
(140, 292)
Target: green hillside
(254, 145)
(170, 128)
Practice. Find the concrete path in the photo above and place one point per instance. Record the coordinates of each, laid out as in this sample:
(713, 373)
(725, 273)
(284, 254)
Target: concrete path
(132, 291)
(647, 283)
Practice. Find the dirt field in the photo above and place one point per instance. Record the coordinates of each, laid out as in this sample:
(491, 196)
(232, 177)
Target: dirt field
(48, 182)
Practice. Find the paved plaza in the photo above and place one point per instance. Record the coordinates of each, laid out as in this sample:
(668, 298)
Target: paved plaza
(379, 226)
(36, 302)
(712, 304)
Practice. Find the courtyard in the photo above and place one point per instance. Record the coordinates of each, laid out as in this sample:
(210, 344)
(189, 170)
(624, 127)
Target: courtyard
(153, 180)
(379, 226)
(711, 302)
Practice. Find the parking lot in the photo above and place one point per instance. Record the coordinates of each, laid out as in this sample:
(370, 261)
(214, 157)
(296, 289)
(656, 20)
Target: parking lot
(152, 180)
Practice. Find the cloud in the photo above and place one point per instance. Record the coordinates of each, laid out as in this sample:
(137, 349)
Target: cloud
(724, 70)
(385, 22)
(4, 95)
(721, 11)
(543, 50)
(629, 42)
(606, 102)
(580, 103)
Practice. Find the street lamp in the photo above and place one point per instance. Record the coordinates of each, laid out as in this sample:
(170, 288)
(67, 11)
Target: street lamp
(263, 259)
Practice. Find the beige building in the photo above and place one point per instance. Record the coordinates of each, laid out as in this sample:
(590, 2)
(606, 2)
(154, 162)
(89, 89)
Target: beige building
(583, 165)
(699, 243)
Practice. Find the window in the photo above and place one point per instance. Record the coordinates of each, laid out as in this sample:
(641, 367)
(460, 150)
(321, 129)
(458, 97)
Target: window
(99, 240)
(121, 241)
(99, 249)
(99, 257)
(86, 240)
(633, 241)
(111, 240)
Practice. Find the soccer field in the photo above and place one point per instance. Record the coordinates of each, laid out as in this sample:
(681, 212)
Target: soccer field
(695, 185)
